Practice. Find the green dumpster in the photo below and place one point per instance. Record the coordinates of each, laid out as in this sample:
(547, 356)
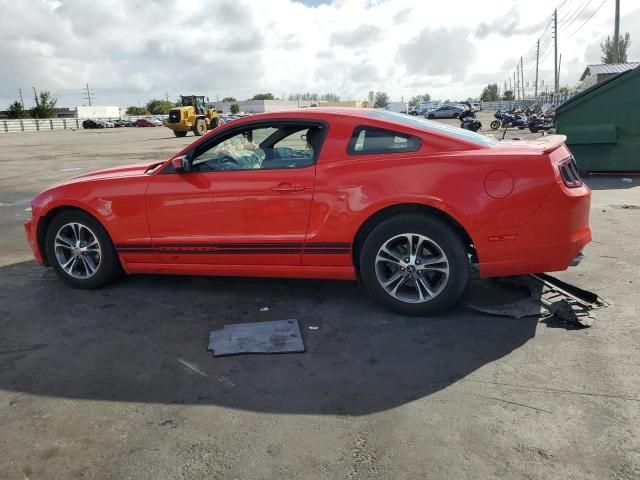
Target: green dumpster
(602, 125)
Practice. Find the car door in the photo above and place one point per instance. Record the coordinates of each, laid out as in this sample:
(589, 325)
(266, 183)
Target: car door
(246, 200)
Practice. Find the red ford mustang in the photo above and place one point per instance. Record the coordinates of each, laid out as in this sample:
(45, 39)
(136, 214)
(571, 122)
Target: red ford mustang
(404, 204)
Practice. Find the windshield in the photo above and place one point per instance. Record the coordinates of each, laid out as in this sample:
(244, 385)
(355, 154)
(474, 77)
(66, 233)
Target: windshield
(433, 126)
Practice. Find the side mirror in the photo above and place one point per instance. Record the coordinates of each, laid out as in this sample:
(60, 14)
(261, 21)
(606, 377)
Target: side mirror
(182, 164)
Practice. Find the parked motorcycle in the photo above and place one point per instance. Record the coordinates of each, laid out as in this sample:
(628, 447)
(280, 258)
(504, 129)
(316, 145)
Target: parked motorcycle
(509, 120)
(468, 120)
(544, 121)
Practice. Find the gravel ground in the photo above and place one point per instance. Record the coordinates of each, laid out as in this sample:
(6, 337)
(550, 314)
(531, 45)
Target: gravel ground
(117, 383)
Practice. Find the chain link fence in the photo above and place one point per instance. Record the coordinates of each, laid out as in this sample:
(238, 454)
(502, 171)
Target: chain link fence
(549, 100)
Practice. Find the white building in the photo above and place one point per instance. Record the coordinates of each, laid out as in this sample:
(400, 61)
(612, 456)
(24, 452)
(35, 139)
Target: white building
(262, 106)
(97, 112)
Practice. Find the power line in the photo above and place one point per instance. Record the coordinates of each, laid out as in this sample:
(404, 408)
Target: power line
(570, 17)
(587, 20)
(540, 50)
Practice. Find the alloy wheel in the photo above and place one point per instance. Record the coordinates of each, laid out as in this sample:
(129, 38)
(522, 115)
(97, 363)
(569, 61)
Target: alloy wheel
(77, 250)
(412, 268)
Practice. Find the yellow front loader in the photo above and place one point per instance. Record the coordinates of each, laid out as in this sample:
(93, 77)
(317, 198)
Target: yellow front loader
(192, 115)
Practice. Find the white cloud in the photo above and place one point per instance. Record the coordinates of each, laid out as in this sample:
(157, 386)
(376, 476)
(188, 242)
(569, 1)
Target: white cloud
(132, 50)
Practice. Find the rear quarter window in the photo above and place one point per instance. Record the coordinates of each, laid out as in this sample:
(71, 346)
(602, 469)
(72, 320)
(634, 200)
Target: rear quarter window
(370, 140)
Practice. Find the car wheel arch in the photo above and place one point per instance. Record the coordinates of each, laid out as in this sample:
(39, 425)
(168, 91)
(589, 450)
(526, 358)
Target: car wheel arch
(387, 212)
(46, 219)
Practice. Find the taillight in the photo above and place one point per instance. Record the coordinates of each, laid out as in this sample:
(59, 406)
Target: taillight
(569, 173)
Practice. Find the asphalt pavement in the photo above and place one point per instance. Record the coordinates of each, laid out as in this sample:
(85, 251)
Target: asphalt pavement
(117, 382)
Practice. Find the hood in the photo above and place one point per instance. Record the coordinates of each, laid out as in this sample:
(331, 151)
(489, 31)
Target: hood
(135, 170)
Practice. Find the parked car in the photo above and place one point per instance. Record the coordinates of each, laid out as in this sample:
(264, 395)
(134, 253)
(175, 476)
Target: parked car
(145, 122)
(445, 111)
(120, 123)
(288, 194)
(424, 107)
(89, 123)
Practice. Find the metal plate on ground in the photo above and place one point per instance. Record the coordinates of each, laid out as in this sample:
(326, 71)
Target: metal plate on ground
(278, 336)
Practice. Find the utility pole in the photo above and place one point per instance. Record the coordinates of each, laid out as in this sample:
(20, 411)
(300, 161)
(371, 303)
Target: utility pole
(555, 54)
(21, 100)
(88, 94)
(515, 86)
(559, 64)
(166, 95)
(616, 35)
(35, 94)
(510, 86)
(535, 91)
(522, 77)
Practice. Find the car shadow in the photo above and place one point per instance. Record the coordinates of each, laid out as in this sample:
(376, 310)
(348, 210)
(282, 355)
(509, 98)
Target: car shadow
(144, 339)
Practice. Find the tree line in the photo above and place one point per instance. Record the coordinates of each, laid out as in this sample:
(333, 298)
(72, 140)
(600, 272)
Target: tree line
(45, 107)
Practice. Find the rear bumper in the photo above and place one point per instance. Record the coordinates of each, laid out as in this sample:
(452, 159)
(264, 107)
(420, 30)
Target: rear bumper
(551, 241)
(30, 228)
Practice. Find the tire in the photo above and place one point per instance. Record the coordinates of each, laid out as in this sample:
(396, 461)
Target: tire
(180, 134)
(200, 128)
(438, 240)
(521, 128)
(455, 115)
(533, 129)
(495, 124)
(218, 121)
(430, 116)
(103, 257)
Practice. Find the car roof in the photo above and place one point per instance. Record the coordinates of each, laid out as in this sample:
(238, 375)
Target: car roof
(375, 116)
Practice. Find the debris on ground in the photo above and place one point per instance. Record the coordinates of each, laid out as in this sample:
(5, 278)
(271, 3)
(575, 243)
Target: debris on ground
(278, 336)
(548, 297)
(528, 307)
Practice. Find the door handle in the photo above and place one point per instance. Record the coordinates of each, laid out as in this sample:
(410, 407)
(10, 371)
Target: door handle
(287, 187)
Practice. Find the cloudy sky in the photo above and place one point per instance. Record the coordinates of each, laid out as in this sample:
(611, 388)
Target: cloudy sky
(132, 50)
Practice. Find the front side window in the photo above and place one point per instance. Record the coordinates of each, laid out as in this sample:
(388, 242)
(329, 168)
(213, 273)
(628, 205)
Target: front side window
(266, 147)
(370, 140)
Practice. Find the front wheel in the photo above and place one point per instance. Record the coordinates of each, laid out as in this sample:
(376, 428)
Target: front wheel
(431, 116)
(200, 128)
(495, 125)
(80, 250)
(180, 134)
(414, 264)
